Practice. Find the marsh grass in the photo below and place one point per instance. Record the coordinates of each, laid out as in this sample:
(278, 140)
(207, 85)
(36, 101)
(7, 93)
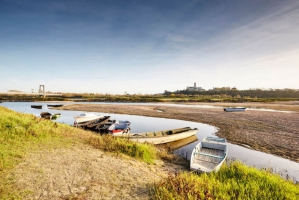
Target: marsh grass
(236, 181)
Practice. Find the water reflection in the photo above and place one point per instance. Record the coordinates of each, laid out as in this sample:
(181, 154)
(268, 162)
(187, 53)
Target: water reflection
(145, 124)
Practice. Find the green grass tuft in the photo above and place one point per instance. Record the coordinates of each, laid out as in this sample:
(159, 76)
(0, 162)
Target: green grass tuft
(236, 181)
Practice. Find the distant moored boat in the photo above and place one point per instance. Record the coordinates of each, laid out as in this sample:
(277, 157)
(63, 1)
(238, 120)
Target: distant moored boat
(37, 106)
(241, 109)
(55, 105)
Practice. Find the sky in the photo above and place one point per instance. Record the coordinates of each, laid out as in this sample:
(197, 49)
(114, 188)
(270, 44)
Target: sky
(147, 47)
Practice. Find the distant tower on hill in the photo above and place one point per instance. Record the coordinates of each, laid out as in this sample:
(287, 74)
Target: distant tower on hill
(197, 89)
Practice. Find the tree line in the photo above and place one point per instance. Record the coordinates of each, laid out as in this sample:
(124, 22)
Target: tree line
(251, 93)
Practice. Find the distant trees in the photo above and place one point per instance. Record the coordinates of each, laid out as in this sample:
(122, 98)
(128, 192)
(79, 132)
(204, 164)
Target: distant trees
(251, 93)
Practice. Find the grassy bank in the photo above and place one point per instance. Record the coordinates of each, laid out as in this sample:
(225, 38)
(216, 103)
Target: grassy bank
(235, 181)
(21, 134)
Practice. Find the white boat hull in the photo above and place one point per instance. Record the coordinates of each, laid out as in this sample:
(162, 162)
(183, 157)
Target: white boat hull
(86, 117)
(163, 139)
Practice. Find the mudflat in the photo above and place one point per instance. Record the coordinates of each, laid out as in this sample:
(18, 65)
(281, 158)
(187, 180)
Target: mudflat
(271, 132)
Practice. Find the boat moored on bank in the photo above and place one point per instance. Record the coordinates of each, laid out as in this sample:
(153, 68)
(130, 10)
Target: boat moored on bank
(161, 137)
(37, 106)
(46, 115)
(241, 109)
(85, 117)
(208, 155)
(54, 105)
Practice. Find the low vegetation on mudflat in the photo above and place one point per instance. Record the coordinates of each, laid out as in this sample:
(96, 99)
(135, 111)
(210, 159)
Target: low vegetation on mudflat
(24, 134)
(233, 181)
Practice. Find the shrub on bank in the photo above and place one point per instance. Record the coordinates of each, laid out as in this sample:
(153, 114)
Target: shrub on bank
(236, 181)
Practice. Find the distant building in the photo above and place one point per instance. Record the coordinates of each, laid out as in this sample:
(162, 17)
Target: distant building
(194, 88)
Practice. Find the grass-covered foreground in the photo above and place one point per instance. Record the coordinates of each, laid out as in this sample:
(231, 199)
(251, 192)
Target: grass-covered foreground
(236, 181)
(22, 134)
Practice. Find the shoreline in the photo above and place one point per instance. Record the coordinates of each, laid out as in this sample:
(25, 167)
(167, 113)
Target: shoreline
(276, 133)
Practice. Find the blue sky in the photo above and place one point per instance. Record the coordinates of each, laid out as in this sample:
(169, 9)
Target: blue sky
(146, 47)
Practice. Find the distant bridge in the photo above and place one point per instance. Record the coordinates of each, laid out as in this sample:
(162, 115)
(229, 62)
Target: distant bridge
(41, 92)
(30, 93)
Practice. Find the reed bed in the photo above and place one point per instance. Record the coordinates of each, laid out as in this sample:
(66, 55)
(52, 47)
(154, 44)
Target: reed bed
(233, 181)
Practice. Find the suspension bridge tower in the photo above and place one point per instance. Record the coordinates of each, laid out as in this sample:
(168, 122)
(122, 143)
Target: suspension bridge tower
(41, 90)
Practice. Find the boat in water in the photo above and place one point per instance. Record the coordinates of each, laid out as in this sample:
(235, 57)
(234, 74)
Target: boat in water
(37, 106)
(93, 124)
(119, 127)
(161, 137)
(234, 109)
(85, 117)
(54, 105)
(46, 115)
(208, 155)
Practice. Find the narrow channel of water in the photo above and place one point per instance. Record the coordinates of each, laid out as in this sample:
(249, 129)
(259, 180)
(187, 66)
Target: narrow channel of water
(258, 159)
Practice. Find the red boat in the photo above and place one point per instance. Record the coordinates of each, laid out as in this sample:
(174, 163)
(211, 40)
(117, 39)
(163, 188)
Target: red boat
(119, 127)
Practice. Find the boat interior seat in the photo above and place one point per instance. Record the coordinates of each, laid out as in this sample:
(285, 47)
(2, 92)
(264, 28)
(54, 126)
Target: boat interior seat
(210, 155)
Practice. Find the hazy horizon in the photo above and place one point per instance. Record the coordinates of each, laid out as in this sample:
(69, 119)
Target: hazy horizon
(148, 46)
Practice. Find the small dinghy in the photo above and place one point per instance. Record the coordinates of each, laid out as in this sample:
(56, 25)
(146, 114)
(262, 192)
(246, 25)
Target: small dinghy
(85, 117)
(37, 106)
(234, 109)
(54, 105)
(161, 137)
(208, 155)
(46, 115)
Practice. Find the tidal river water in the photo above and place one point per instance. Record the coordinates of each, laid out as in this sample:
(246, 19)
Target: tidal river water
(250, 157)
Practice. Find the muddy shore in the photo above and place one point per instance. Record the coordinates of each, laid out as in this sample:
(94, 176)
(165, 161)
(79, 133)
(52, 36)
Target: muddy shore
(271, 132)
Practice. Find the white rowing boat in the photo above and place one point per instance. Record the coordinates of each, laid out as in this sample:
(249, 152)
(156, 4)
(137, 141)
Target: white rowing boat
(85, 117)
(208, 155)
